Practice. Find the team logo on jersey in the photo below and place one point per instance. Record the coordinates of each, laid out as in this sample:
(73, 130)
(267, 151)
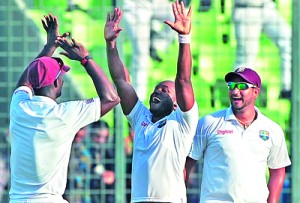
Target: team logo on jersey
(264, 135)
(162, 123)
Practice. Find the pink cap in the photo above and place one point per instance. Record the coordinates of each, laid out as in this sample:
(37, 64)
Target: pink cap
(45, 70)
(248, 74)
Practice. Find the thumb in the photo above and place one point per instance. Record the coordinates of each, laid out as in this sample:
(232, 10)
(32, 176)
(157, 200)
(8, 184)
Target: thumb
(119, 30)
(169, 23)
(65, 54)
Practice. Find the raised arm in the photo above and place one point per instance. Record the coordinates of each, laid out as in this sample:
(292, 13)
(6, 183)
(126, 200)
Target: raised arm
(105, 89)
(117, 69)
(182, 25)
(50, 24)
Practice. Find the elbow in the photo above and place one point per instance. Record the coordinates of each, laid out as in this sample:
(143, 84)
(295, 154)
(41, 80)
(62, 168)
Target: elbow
(115, 101)
(107, 106)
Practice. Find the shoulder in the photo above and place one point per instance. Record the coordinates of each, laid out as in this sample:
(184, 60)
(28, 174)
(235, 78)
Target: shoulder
(23, 90)
(217, 115)
(22, 93)
(139, 108)
(268, 122)
(192, 113)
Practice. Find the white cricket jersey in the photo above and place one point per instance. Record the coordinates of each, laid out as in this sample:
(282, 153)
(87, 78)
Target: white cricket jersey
(159, 153)
(235, 159)
(42, 132)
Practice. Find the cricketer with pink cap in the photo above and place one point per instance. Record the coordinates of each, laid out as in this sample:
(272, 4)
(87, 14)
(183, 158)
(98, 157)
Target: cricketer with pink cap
(248, 74)
(45, 70)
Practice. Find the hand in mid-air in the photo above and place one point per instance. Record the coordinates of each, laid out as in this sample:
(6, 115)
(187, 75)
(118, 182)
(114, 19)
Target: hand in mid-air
(182, 23)
(112, 30)
(73, 49)
(50, 24)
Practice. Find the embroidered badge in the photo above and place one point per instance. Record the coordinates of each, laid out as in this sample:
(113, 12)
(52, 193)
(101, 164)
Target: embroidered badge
(162, 123)
(264, 135)
(240, 69)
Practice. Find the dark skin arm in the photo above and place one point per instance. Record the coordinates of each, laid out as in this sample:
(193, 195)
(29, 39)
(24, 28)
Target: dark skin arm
(189, 164)
(105, 89)
(183, 85)
(275, 184)
(117, 69)
(50, 24)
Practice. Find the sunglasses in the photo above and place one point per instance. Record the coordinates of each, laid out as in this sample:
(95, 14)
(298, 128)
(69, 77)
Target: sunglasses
(239, 85)
(61, 63)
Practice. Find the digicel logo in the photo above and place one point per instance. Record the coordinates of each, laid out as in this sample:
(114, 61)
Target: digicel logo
(223, 132)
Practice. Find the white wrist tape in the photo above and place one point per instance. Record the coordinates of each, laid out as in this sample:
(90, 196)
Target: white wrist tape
(184, 39)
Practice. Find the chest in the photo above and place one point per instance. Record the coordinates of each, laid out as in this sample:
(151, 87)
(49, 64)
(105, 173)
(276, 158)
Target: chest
(231, 141)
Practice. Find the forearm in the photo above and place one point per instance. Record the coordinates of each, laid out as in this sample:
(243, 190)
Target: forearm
(47, 50)
(275, 184)
(104, 87)
(183, 84)
(117, 69)
(184, 62)
(189, 164)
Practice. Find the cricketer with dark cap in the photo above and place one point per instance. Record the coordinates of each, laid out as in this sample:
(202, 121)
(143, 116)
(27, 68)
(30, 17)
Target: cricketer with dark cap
(237, 145)
(41, 129)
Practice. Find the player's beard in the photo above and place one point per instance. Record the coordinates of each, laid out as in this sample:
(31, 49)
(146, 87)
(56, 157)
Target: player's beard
(164, 108)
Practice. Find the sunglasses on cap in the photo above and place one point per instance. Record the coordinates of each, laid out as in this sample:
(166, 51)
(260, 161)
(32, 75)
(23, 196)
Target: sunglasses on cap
(239, 85)
(60, 63)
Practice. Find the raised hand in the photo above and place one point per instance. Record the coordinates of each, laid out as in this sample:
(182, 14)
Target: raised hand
(112, 30)
(50, 24)
(182, 23)
(73, 49)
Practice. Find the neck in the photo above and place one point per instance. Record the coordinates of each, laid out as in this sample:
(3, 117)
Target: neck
(246, 119)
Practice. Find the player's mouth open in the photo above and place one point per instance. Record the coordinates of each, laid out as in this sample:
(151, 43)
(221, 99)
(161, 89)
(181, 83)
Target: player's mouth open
(156, 100)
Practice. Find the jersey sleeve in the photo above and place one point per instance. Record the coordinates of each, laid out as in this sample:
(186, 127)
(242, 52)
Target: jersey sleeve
(21, 94)
(279, 154)
(78, 114)
(135, 113)
(199, 142)
(191, 117)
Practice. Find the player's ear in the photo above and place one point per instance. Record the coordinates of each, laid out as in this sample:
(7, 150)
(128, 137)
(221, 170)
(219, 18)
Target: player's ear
(175, 106)
(256, 92)
(55, 83)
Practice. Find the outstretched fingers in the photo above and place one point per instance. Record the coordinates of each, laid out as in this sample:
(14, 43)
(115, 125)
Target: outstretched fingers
(49, 22)
(189, 14)
(182, 8)
(64, 43)
(117, 15)
(108, 17)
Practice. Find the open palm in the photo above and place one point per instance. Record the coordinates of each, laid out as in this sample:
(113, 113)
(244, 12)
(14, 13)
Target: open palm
(112, 30)
(182, 23)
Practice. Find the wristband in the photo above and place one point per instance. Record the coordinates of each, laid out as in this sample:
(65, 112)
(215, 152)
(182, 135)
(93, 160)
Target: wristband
(184, 39)
(85, 59)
